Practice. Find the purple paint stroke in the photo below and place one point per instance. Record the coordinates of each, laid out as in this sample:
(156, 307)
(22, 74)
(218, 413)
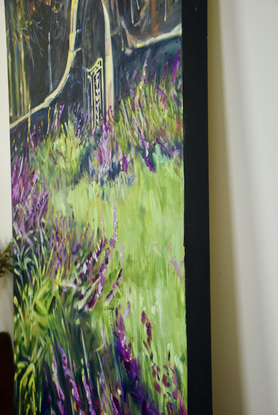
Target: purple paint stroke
(164, 150)
(148, 164)
(103, 398)
(61, 155)
(176, 99)
(71, 380)
(161, 93)
(116, 406)
(89, 396)
(127, 310)
(53, 159)
(175, 67)
(143, 78)
(125, 115)
(29, 203)
(175, 264)
(124, 163)
(121, 254)
(164, 381)
(157, 387)
(176, 394)
(146, 321)
(103, 336)
(182, 406)
(154, 68)
(132, 368)
(100, 158)
(165, 70)
(112, 293)
(62, 408)
(58, 387)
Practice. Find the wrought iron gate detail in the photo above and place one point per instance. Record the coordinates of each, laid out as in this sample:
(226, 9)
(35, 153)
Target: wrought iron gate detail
(94, 91)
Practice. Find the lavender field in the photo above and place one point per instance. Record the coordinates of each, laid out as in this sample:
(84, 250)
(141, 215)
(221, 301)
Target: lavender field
(98, 230)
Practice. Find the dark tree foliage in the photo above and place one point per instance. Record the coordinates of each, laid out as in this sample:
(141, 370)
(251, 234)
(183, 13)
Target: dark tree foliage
(40, 29)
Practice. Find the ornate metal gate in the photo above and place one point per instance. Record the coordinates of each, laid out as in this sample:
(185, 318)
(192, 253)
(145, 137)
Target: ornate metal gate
(93, 90)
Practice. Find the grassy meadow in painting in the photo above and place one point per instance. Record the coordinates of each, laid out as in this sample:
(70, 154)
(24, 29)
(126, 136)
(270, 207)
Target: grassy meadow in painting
(99, 282)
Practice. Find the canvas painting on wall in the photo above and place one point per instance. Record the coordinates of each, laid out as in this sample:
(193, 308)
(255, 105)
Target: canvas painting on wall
(97, 129)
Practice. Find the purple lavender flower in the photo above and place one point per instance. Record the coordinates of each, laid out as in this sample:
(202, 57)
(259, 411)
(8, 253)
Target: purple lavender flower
(148, 164)
(89, 396)
(175, 67)
(165, 70)
(71, 380)
(132, 368)
(53, 158)
(61, 396)
(154, 67)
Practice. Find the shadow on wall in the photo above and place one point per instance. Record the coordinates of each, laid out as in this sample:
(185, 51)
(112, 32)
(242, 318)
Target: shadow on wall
(226, 374)
(6, 306)
(240, 361)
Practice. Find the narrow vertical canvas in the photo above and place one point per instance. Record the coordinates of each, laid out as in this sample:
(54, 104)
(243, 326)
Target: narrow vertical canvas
(97, 130)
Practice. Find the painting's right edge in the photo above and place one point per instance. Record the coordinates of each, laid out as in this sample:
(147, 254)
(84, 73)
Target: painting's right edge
(196, 217)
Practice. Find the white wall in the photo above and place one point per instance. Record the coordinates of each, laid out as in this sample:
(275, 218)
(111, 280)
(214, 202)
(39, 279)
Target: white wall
(243, 147)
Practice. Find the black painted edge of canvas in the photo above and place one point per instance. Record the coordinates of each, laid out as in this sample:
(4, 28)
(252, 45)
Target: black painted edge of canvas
(196, 238)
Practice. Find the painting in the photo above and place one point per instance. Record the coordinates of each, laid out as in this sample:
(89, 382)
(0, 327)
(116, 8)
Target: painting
(101, 94)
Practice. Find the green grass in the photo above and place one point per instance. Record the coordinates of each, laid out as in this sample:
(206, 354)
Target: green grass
(150, 217)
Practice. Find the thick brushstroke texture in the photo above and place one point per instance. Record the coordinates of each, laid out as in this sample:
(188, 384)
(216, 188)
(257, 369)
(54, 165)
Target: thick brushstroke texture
(99, 281)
